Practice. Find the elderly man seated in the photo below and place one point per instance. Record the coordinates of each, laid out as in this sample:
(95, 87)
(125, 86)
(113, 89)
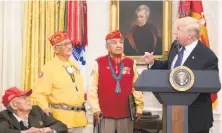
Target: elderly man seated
(21, 117)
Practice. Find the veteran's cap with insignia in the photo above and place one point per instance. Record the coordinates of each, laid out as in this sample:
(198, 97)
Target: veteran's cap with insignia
(12, 93)
(114, 35)
(58, 37)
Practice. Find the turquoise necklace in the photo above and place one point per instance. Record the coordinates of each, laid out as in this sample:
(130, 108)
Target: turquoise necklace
(118, 88)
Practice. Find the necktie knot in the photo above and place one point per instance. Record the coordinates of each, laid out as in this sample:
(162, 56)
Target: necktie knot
(24, 125)
(183, 48)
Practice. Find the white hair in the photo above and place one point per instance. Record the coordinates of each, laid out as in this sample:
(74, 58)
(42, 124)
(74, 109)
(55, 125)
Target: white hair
(191, 24)
(143, 7)
(9, 106)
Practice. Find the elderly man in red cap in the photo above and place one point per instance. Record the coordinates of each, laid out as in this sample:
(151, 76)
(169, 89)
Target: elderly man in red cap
(112, 81)
(60, 88)
(22, 117)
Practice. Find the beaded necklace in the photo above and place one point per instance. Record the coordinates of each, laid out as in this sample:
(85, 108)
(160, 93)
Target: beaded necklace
(118, 88)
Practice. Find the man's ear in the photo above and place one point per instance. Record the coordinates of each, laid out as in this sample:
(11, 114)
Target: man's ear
(56, 49)
(190, 36)
(107, 47)
(13, 104)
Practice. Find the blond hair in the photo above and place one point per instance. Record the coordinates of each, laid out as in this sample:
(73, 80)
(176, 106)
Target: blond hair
(192, 25)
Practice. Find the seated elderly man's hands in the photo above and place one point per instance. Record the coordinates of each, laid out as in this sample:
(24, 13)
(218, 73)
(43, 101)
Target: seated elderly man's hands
(47, 130)
(33, 130)
(39, 130)
(148, 58)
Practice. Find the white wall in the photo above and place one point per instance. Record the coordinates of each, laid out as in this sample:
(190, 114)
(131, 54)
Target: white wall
(98, 27)
(11, 24)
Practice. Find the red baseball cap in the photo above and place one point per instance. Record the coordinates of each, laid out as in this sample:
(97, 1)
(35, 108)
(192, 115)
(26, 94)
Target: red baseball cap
(13, 92)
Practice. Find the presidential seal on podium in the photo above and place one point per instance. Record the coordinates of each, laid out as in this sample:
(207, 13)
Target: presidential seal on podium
(181, 78)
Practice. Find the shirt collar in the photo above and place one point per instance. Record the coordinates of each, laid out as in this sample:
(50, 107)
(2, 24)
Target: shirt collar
(19, 119)
(69, 62)
(191, 46)
(121, 58)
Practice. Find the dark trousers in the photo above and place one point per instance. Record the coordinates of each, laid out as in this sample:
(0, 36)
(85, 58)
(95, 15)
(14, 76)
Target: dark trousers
(206, 131)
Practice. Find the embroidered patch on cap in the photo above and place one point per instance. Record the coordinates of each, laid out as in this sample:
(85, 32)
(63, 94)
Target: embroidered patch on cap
(11, 96)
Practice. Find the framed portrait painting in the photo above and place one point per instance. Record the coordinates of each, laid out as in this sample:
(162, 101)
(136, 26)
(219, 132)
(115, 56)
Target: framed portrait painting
(145, 25)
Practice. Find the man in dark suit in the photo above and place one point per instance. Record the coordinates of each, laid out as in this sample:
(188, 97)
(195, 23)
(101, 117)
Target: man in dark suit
(22, 117)
(188, 51)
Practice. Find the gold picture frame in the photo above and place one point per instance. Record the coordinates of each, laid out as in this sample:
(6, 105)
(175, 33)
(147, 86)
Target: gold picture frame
(166, 27)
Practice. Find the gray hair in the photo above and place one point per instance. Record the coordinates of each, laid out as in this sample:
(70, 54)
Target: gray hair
(108, 41)
(9, 108)
(62, 42)
(143, 7)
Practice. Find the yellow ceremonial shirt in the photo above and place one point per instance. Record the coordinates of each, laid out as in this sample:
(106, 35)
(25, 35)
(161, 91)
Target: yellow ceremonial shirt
(93, 91)
(55, 86)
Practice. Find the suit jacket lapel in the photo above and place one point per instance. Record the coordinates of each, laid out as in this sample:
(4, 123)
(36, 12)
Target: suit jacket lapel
(172, 55)
(191, 58)
(33, 121)
(15, 121)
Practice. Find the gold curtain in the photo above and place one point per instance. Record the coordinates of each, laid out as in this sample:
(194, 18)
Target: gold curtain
(42, 19)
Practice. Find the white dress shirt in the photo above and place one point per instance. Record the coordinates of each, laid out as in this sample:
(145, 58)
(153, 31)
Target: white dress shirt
(25, 122)
(188, 49)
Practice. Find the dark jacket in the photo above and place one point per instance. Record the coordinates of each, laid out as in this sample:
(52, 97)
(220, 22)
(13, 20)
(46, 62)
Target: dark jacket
(36, 118)
(142, 39)
(200, 114)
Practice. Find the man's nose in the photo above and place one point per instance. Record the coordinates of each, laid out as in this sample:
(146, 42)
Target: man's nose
(118, 44)
(69, 46)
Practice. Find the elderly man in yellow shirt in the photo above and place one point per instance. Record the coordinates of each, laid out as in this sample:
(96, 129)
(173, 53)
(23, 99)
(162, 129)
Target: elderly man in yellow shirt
(111, 85)
(60, 89)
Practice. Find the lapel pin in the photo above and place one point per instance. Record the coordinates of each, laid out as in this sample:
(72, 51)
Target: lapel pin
(193, 57)
(40, 123)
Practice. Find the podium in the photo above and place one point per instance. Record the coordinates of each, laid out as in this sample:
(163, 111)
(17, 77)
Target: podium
(157, 82)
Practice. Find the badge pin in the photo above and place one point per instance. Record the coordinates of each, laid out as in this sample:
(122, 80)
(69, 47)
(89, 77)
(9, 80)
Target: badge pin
(69, 69)
(40, 123)
(41, 74)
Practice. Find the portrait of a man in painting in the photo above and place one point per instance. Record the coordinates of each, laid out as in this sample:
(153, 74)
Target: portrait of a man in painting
(143, 36)
(145, 25)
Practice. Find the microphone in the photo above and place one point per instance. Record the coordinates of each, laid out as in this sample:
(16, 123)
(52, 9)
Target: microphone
(177, 46)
